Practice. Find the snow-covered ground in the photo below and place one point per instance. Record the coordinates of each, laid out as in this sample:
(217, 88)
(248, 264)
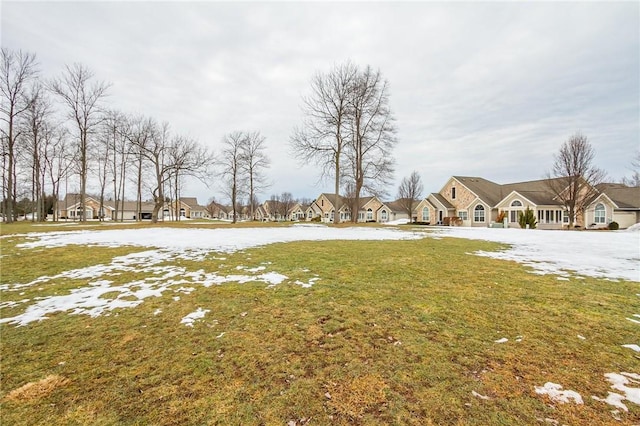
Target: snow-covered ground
(601, 254)
(609, 255)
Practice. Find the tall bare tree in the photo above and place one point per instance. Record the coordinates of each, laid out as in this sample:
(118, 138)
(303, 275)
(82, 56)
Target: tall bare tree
(255, 160)
(82, 96)
(37, 130)
(322, 139)
(573, 178)
(232, 168)
(116, 132)
(410, 192)
(17, 70)
(59, 159)
(372, 137)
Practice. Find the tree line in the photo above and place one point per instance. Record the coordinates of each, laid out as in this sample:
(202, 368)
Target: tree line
(61, 127)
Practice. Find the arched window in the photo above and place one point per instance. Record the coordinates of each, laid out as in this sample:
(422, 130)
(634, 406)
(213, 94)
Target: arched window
(478, 213)
(183, 213)
(600, 214)
(369, 214)
(425, 214)
(383, 215)
(516, 203)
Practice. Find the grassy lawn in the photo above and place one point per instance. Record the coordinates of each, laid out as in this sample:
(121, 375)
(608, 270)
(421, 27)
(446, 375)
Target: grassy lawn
(392, 332)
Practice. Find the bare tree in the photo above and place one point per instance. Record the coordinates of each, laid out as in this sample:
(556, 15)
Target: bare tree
(410, 192)
(285, 204)
(58, 158)
(254, 160)
(322, 139)
(140, 132)
(634, 179)
(186, 157)
(116, 131)
(17, 70)
(573, 178)
(232, 168)
(82, 98)
(36, 131)
(372, 136)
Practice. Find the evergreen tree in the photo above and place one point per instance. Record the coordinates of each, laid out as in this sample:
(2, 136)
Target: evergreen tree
(527, 218)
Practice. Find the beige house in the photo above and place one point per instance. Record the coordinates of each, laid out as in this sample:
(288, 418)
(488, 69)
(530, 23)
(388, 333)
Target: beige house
(475, 201)
(370, 209)
(614, 203)
(71, 208)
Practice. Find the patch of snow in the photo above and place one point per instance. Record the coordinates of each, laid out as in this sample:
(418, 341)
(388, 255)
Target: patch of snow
(476, 394)
(581, 337)
(308, 284)
(503, 340)
(621, 382)
(634, 228)
(397, 222)
(189, 319)
(556, 252)
(157, 312)
(556, 393)
(632, 347)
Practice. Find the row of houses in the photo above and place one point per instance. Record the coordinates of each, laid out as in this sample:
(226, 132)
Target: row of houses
(463, 201)
(70, 208)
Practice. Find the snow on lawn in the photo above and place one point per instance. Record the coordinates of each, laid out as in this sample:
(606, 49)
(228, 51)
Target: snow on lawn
(226, 240)
(100, 296)
(600, 254)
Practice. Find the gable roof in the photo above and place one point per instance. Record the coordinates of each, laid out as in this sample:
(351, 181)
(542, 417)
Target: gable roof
(440, 199)
(487, 191)
(536, 191)
(625, 197)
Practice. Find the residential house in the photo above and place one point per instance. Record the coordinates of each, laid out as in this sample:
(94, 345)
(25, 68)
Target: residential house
(614, 203)
(71, 208)
(475, 201)
(370, 209)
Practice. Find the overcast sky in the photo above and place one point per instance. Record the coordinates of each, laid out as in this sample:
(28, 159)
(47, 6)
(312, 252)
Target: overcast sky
(480, 89)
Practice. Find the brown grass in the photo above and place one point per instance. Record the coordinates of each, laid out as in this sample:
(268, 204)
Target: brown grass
(37, 390)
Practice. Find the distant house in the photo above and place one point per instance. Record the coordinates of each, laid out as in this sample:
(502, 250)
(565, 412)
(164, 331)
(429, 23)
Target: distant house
(614, 203)
(71, 208)
(370, 209)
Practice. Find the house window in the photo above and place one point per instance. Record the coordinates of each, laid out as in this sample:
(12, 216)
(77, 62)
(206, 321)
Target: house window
(513, 216)
(183, 213)
(369, 214)
(516, 203)
(425, 214)
(383, 215)
(478, 213)
(322, 203)
(558, 216)
(462, 214)
(360, 216)
(600, 213)
(453, 193)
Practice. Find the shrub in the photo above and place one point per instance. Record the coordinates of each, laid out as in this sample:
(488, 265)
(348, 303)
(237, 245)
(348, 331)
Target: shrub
(501, 216)
(613, 226)
(527, 218)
